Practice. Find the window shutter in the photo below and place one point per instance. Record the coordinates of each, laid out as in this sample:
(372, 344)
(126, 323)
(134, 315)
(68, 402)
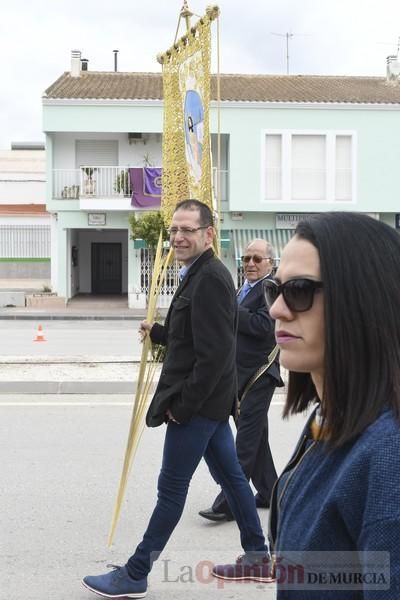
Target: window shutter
(96, 153)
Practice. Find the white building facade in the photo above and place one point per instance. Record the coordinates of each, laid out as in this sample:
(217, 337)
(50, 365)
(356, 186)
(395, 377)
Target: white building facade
(291, 145)
(24, 220)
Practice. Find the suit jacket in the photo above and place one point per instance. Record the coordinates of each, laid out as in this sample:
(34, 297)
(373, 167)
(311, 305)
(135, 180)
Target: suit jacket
(255, 337)
(199, 371)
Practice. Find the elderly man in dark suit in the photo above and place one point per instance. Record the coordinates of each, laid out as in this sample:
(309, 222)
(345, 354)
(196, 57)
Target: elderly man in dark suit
(255, 341)
(194, 397)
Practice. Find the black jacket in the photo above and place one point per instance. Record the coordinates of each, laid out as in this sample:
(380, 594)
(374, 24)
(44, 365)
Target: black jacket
(199, 373)
(255, 337)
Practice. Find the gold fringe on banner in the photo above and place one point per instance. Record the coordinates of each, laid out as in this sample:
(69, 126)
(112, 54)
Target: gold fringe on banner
(187, 171)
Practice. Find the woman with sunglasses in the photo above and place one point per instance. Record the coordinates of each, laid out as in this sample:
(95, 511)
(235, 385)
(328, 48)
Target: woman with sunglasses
(335, 510)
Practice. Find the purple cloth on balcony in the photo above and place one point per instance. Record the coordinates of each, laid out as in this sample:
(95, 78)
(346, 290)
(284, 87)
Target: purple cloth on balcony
(146, 186)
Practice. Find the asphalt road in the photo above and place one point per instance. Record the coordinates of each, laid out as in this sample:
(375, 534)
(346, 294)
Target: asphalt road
(70, 338)
(61, 461)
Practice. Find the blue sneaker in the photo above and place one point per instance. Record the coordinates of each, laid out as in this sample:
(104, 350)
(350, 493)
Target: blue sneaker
(116, 584)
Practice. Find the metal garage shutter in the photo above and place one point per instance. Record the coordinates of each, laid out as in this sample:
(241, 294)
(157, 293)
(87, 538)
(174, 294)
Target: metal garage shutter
(98, 153)
(25, 241)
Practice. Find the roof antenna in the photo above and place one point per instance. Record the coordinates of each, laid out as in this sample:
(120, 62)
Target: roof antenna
(288, 35)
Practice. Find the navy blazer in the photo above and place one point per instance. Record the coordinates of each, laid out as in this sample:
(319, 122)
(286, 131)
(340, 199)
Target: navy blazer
(255, 337)
(199, 371)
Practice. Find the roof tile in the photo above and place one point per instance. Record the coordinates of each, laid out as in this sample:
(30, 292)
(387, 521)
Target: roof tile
(38, 210)
(234, 88)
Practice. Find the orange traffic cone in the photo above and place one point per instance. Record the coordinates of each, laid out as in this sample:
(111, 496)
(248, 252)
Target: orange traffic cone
(39, 336)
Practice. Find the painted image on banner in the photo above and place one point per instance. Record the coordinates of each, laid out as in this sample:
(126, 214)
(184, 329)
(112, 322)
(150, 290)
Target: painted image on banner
(190, 77)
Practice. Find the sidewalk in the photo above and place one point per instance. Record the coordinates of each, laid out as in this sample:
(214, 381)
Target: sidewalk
(69, 375)
(73, 375)
(81, 307)
(72, 313)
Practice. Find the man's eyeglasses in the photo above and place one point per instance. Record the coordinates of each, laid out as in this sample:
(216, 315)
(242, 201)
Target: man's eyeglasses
(256, 258)
(185, 230)
(298, 294)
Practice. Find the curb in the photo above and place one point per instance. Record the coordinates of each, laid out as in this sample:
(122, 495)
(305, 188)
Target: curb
(82, 359)
(73, 387)
(77, 314)
(67, 387)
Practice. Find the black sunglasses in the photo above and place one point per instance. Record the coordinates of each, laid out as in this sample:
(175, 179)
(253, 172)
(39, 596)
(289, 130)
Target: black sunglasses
(298, 294)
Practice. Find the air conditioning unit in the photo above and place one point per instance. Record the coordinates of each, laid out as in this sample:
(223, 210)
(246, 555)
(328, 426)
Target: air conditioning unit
(134, 137)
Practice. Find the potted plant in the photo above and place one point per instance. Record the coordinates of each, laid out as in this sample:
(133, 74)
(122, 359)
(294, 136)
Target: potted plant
(145, 233)
(122, 184)
(147, 228)
(89, 183)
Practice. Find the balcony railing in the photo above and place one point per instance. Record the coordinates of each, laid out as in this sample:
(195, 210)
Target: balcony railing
(106, 182)
(91, 182)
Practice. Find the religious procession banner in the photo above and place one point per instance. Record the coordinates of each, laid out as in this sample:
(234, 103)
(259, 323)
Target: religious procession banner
(186, 156)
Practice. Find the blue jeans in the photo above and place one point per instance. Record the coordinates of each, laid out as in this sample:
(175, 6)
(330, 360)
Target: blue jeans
(184, 447)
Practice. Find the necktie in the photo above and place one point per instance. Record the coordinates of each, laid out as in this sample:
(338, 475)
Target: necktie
(244, 291)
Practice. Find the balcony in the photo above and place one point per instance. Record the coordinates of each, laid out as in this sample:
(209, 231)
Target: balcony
(105, 188)
(96, 188)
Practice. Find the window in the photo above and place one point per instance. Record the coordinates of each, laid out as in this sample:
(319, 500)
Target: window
(273, 160)
(223, 181)
(308, 166)
(96, 153)
(343, 172)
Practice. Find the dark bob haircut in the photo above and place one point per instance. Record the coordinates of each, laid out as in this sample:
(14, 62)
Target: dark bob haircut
(360, 268)
(205, 216)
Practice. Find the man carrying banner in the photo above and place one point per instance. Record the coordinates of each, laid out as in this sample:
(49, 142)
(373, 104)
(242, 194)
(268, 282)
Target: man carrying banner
(195, 397)
(255, 341)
